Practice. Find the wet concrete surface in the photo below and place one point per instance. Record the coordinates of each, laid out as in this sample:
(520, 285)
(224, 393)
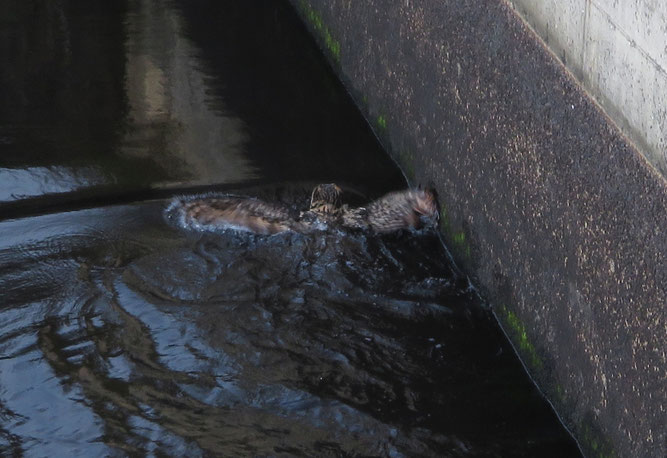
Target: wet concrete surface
(121, 334)
(557, 217)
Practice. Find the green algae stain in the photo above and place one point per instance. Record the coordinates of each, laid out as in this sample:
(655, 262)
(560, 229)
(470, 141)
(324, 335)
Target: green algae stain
(458, 239)
(597, 445)
(445, 224)
(382, 122)
(560, 392)
(462, 247)
(592, 440)
(334, 47)
(315, 18)
(518, 330)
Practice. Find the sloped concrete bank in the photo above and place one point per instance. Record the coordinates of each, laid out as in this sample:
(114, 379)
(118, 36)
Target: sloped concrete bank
(617, 51)
(555, 215)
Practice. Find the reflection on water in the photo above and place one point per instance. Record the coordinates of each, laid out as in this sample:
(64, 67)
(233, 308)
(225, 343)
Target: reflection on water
(122, 335)
(173, 115)
(36, 181)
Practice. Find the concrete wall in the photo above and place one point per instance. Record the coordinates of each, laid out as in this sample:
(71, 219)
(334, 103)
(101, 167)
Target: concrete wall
(618, 50)
(557, 217)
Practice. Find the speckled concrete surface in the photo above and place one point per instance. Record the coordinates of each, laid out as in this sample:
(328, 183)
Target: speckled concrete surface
(558, 219)
(617, 51)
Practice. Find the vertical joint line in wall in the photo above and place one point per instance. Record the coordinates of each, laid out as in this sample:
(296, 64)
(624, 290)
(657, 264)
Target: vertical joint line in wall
(584, 33)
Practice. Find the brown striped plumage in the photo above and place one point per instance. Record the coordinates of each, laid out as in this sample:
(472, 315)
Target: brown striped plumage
(402, 210)
(393, 212)
(326, 199)
(242, 213)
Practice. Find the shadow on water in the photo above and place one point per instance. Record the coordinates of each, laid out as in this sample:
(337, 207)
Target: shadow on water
(120, 334)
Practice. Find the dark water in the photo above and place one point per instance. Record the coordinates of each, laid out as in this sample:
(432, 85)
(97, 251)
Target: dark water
(121, 335)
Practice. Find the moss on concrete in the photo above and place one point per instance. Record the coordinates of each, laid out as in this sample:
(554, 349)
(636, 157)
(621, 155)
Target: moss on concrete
(517, 330)
(324, 32)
